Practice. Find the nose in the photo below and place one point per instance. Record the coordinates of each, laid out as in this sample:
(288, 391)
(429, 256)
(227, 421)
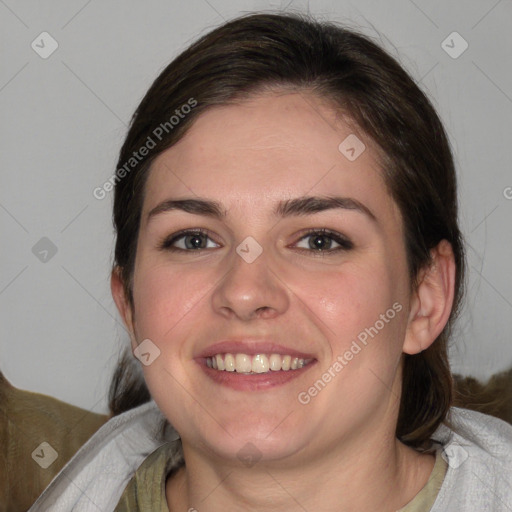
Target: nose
(250, 290)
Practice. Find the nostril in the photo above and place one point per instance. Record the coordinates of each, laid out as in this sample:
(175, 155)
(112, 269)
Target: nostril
(264, 312)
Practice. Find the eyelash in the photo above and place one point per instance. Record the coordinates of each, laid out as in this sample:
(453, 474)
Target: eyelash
(344, 243)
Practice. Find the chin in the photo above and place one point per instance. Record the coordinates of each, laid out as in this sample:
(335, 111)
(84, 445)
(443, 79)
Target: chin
(253, 441)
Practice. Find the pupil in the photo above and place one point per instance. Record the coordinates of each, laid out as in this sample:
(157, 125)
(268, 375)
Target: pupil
(319, 242)
(194, 242)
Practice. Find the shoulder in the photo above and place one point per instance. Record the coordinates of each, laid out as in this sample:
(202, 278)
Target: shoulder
(106, 463)
(478, 450)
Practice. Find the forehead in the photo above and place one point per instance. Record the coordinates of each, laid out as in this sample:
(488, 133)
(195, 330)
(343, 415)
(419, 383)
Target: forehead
(272, 146)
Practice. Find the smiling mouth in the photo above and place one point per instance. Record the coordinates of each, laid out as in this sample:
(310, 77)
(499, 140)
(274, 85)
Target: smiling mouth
(259, 363)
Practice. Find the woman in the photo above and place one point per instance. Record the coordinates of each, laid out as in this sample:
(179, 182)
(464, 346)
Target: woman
(289, 265)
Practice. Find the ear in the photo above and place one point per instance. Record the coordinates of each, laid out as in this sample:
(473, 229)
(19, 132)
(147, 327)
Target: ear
(432, 301)
(123, 304)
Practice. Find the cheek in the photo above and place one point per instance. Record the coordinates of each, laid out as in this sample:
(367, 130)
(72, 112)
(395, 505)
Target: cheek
(168, 305)
(361, 304)
(352, 296)
(163, 297)
(363, 315)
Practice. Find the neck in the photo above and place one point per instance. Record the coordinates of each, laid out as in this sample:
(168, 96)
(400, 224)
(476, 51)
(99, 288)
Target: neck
(379, 474)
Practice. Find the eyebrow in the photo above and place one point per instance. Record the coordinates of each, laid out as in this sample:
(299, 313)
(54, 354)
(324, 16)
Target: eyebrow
(306, 205)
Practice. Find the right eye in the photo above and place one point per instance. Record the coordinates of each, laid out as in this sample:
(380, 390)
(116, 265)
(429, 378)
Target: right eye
(189, 240)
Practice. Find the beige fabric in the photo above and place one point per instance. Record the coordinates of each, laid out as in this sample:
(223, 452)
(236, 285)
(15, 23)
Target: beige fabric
(146, 490)
(26, 420)
(425, 499)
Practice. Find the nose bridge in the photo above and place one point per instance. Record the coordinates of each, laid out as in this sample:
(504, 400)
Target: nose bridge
(250, 286)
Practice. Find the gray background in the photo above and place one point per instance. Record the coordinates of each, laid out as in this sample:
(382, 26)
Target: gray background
(62, 123)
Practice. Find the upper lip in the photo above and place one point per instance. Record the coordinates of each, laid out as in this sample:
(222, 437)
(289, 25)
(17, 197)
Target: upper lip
(251, 347)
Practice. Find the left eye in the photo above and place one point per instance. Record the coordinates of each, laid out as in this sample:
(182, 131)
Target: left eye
(320, 241)
(189, 240)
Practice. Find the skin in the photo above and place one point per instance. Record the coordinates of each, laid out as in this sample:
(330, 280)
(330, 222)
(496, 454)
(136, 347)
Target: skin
(273, 147)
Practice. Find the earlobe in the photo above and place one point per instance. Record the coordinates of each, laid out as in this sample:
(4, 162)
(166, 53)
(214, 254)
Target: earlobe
(432, 301)
(123, 304)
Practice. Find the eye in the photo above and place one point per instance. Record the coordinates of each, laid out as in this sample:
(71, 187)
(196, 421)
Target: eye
(189, 240)
(324, 240)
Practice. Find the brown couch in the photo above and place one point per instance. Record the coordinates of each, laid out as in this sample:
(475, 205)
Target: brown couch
(26, 420)
(493, 397)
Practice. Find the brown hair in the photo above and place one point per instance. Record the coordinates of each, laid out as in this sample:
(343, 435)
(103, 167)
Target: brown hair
(279, 51)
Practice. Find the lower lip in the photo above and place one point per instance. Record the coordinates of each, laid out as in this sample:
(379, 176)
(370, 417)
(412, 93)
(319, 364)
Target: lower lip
(253, 381)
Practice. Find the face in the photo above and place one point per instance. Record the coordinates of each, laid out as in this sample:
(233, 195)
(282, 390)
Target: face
(261, 239)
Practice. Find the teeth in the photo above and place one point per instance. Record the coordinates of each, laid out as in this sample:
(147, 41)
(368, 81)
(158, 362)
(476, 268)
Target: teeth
(229, 362)
(275, 362)
(243, 363)
(260, 363)
(220, 362)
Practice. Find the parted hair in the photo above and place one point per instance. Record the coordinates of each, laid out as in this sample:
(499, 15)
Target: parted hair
(360, 80)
